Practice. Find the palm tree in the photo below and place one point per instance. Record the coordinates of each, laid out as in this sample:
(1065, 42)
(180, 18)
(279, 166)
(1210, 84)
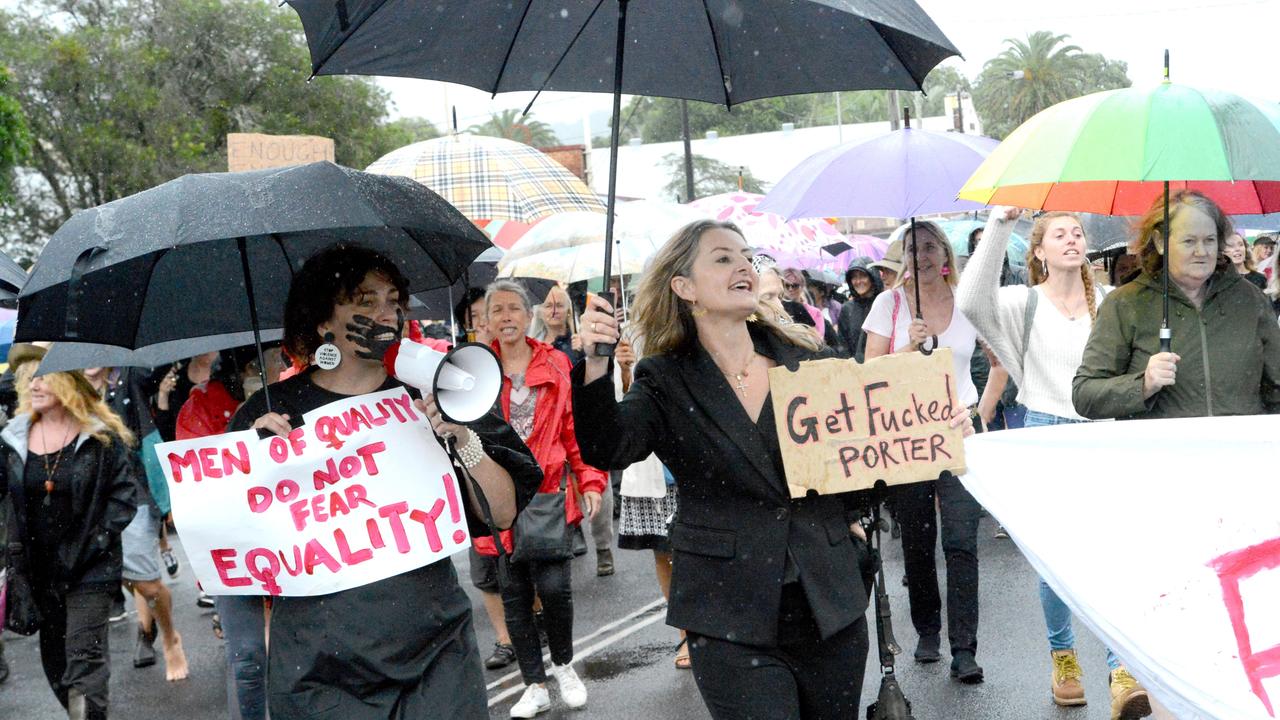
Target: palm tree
(1027, 77)
(510, 125)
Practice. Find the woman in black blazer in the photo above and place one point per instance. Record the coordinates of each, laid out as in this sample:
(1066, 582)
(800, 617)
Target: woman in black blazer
(771, 590)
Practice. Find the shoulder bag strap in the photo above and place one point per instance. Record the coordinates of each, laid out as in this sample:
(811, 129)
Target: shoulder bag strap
(893, 320)
(503, 567)
(1028, 316)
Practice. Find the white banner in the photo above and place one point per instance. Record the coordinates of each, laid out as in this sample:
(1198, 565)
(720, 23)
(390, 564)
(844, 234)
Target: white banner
(362, 491)
(1163, 536)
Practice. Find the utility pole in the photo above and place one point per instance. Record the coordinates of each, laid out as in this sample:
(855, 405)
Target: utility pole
(839, 119)
(895, 111)
(688, 151)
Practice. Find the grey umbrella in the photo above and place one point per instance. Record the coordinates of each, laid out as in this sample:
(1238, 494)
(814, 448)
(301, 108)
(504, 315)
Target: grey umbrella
(64, 356)
(12, 278)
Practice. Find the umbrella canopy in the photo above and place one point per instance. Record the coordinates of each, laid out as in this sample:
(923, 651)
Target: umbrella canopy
(769, 232)
(901, 174)
(489, 178)
(503, 233)
(1110, 153)
(640, 228)
(719, 51)
(64, 356)
(438, 304)
(12, 278)
(215, 253)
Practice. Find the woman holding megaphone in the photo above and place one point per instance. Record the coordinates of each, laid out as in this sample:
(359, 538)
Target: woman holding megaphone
(769, 588)
(403, 646)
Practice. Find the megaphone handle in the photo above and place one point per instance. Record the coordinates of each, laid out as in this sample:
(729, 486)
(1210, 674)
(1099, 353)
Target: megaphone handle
(606, 349)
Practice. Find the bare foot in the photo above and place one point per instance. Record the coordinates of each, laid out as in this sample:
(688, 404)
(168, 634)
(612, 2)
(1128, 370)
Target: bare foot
(175, 661)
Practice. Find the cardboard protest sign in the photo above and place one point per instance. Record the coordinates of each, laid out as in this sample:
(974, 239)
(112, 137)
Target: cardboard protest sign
(255, 151)
(844, 425)
(1162, 536)
(362, 491)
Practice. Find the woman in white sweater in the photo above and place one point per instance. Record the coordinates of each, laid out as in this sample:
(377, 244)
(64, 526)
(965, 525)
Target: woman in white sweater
(1039, 331)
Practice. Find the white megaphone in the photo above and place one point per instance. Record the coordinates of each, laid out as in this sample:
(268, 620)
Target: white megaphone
(465, 380)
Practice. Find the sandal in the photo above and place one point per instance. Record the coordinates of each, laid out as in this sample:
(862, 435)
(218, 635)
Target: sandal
(683, 662)
(217, 626)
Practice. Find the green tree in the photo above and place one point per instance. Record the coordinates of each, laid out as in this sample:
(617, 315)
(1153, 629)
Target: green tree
(1034, 73)
(510, 125)
(122, 95)
(15, 140)
(710, 177)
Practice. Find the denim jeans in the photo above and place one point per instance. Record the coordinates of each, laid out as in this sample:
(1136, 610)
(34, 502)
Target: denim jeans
(243, 627)
(550, 581)
(1057, 616)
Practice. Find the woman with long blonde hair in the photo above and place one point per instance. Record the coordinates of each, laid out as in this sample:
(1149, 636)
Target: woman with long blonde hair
(770, 590)
(896, 324)
(1039, 331)
(66, 469)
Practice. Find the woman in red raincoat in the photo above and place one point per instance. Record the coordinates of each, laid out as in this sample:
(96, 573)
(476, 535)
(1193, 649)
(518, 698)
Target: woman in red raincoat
(536, 400)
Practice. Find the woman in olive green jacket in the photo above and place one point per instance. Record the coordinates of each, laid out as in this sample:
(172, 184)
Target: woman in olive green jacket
(1226, 344)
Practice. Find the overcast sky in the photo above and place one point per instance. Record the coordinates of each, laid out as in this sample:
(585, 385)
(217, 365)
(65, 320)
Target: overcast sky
(1223, 44)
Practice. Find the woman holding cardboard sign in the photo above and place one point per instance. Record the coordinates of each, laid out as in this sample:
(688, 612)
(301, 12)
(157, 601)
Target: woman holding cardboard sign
(403, 646)
(931, 277)
(770, 589)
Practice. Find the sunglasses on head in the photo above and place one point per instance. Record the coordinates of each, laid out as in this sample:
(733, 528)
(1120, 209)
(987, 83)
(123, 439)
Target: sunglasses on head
(791, 286)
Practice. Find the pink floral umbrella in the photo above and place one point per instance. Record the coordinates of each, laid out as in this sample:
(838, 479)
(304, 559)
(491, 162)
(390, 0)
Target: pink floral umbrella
(799, 241)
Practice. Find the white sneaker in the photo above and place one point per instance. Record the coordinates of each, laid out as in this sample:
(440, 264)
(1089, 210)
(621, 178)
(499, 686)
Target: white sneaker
(534, 700)
(572, 691)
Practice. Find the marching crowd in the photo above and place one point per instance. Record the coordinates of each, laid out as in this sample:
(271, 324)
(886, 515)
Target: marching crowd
(673, 438)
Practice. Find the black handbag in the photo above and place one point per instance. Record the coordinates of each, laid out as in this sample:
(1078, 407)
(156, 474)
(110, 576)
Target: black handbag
(21, 615)
(540, 531)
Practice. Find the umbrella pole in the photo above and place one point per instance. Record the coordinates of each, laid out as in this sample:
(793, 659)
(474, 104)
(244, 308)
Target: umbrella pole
(603, 350)
(253, 318)
(915, 282)
(1166, 335)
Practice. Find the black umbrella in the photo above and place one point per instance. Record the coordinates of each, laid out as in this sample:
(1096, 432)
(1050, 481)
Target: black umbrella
(720, 51)
(215, 253)
(12, 278)
(64, 356)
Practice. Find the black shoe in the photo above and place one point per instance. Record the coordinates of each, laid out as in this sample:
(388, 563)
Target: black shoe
(965, 668)
(170, 562)
(929, 649)
(540, 622)
(144, 652)
(579, 541)
(503, 655)
(604, 563)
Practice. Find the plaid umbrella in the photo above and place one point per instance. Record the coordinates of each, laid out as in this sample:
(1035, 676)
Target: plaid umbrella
(489, 178)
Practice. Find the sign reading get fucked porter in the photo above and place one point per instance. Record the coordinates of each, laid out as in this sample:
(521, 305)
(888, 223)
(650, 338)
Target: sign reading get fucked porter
(362, 491)
(844, 425)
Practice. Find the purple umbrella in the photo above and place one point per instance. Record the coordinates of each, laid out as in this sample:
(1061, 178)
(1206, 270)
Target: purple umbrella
(901, 174)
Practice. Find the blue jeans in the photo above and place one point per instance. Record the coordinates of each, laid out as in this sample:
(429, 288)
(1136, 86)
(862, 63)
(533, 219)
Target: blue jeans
(1057, 616)
(243, 626)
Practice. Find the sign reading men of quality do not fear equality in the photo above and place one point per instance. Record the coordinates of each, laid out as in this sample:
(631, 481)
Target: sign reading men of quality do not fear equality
(361, 492)
(843, 425)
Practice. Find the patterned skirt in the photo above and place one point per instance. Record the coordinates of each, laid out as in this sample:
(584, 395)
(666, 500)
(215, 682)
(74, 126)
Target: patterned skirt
(644, 522)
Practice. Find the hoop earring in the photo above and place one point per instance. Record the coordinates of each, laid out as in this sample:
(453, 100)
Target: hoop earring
(328, 356)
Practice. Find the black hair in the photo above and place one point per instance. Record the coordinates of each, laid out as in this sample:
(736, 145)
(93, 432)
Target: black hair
(469, 298)
(328, 278)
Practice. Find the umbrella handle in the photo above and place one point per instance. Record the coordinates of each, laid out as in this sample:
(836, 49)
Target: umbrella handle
(606, 349)
(1166, 340)
(929, 350)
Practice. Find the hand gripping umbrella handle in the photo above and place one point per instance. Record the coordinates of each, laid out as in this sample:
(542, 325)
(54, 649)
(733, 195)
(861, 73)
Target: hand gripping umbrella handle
(606, 349)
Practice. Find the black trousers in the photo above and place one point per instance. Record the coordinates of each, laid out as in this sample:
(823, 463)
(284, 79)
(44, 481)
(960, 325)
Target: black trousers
(804, 678)
(914, 508)
(550, 581)
(73, 644)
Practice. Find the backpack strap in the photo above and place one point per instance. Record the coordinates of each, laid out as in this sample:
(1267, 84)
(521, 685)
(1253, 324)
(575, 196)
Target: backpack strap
(1028, 316)
(893, 320)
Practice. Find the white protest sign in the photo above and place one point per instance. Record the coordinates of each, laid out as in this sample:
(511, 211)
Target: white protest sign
(362, 491)
(1164, 537)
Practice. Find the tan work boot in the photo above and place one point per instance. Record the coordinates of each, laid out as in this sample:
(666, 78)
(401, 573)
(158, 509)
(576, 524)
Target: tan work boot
(1067, 688)
(1129, 699)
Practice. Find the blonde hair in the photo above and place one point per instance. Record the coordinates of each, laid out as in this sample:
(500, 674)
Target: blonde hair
(91, 413)
(665, 321)
(1037, 272)
(1249, 264)
(952, 277)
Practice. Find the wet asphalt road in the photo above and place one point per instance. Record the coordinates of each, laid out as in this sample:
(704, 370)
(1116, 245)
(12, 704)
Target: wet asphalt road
(625, 651)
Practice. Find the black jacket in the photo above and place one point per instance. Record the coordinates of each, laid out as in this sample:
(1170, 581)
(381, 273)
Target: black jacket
(736, 521)
(103, 501)
(854, 312)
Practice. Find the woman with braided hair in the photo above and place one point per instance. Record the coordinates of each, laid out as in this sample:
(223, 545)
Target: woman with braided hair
(1038, 332)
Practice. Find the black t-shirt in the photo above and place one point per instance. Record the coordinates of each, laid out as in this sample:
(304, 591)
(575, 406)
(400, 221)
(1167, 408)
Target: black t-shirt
(48, 514)
(383, 634)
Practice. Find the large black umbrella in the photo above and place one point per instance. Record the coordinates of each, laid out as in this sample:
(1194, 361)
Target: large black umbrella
(720, 51)
(215, 253)
(12, 278)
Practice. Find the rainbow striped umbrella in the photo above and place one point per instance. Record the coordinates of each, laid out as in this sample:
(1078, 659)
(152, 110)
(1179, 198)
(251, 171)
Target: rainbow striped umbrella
(1111, 153)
